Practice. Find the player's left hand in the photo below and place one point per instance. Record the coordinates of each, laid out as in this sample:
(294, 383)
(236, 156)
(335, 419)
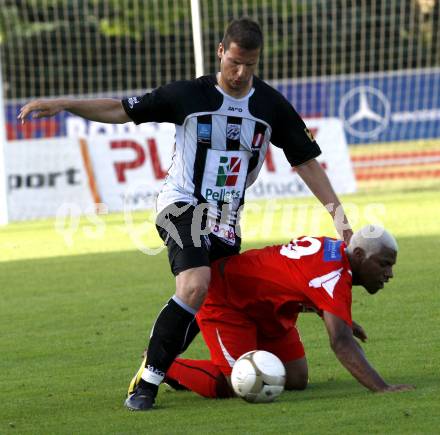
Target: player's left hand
(359, 332)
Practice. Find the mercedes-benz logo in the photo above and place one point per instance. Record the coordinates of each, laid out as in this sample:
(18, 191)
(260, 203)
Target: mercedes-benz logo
(365, 111)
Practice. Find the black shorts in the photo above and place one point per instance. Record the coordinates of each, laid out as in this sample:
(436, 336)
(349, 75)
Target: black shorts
(184, 250)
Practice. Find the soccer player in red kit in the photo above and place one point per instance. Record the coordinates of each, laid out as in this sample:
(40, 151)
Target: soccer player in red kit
(254, 300)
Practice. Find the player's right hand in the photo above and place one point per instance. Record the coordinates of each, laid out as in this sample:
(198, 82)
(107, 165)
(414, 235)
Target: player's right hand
(397, 388)
(41, 109)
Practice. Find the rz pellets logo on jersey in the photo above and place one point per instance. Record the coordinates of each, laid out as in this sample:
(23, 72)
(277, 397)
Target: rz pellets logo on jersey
(228, 171)
(227, 175)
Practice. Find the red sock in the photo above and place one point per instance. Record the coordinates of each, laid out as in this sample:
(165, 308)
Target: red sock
(200, 376)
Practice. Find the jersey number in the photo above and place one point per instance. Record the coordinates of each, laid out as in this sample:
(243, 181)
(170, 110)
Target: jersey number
(301, 247)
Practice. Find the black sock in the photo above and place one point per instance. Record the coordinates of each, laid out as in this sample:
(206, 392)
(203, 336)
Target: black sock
(193, 330)
(149, 386)
(173, 331)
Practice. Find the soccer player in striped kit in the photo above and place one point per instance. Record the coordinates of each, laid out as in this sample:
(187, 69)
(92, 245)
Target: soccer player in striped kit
(224, 123)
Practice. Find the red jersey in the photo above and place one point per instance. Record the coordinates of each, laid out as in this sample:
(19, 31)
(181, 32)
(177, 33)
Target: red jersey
(272, 285)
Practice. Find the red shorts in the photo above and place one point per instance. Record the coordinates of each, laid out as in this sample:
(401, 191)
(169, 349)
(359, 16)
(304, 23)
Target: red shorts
(229, 334)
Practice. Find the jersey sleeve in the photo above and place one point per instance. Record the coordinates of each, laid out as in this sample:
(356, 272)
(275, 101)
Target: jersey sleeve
(336, 300)
(161, 105)
(291, 134)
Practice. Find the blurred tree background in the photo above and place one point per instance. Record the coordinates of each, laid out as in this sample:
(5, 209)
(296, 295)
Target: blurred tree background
(72, 47)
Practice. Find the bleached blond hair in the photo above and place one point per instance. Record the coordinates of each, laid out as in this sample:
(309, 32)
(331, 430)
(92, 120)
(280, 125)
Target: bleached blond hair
(372, 238)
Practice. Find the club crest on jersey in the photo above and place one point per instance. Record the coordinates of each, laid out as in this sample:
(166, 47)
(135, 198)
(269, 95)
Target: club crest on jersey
(228, 170)
(233, 131)
(204, 133)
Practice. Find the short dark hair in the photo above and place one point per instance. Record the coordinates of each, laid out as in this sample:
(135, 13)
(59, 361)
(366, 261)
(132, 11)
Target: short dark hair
(245, 32)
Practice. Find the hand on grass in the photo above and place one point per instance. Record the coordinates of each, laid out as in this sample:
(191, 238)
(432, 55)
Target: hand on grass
(397, 388)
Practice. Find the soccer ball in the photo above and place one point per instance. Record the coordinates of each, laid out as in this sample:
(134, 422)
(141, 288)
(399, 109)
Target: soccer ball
(258, 376)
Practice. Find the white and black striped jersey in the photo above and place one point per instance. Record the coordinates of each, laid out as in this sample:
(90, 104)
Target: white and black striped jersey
(221, 141)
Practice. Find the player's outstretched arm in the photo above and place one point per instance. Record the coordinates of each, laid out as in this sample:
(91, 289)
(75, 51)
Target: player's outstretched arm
(352, 357)
(106, 110)
(317, 181)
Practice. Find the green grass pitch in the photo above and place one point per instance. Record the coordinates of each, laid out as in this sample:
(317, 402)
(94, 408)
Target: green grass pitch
(78, 300)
